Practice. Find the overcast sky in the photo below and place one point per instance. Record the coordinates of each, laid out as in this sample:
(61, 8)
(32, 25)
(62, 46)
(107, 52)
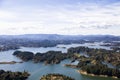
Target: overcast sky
(69, 17)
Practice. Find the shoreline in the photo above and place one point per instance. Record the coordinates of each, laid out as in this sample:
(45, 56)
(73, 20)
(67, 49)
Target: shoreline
(85, 73)
(11, 62)
(70, 65)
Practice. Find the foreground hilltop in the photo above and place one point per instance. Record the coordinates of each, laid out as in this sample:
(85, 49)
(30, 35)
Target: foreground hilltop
(8, 75)
(55, 77)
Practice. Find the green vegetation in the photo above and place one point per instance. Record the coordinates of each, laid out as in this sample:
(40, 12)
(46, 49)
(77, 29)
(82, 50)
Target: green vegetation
(100, 55)
(100, 69)
(95, 67)
(56, 77)
(26, 56)
(8, 75)
(92, 64)
(50, 57)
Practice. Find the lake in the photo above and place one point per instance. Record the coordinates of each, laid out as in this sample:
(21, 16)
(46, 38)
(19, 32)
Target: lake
(37, 70)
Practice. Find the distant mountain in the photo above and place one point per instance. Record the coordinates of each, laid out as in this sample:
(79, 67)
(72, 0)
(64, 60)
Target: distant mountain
(62, 37)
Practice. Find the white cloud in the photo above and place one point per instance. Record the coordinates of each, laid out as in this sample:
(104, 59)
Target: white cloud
(65, 19)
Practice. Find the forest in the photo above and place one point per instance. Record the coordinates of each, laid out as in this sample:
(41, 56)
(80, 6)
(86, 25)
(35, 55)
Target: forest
(55, 77)
(8, 75)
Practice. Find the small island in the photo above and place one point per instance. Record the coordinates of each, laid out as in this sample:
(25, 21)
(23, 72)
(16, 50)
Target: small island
(8, 75)
(55, 77)
(70, 65)
(11, 62)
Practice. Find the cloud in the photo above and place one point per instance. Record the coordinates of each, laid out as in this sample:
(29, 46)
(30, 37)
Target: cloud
(58, 18)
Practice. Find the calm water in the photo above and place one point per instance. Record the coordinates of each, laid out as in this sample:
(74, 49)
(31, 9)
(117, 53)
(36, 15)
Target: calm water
(39, 69)
(63, 47)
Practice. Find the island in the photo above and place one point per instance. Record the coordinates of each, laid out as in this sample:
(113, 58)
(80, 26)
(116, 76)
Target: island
(11, 62)
(24, 55)
(8, 75)
(50, 57)
(100, 55)
(55, 77)
(99, 70)
(93, 63)
(70, 65)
